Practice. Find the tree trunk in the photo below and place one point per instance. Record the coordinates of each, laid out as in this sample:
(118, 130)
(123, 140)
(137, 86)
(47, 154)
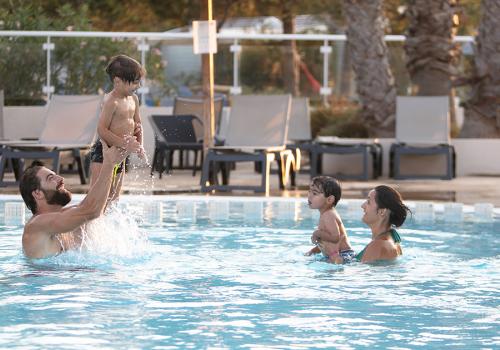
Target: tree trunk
(368, 52)
(291, 59)
(431, 53)
(482, 111)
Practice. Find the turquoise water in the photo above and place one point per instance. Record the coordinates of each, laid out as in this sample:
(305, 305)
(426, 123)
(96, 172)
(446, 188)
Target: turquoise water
(241, 284)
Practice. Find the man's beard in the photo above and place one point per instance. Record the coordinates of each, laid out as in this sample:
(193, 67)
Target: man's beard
(61, 198)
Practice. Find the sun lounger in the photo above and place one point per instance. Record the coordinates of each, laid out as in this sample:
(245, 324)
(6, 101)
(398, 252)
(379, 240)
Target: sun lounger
(174, 132)
(70, 125)
(299, 132)
(257, 132)
(422, 129)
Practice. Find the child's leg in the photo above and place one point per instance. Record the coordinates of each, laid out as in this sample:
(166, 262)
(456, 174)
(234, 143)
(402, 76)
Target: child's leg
(314, 250)
(328, 249)
(331, 250)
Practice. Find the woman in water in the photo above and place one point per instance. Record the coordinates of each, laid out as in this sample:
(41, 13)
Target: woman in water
(383, 211)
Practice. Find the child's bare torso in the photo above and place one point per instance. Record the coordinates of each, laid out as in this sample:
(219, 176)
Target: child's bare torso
(122, 121)
(343, 243)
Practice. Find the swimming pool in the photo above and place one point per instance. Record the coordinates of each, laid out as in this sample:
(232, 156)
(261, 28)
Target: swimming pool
(230, 273)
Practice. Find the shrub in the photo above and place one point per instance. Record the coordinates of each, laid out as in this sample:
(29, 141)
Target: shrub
(340, 119)
(77, 64)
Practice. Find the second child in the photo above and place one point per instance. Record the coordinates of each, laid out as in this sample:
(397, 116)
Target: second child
(330, 237)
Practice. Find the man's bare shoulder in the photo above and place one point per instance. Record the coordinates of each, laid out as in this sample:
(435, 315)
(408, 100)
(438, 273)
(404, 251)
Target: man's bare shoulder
(39, 222)
(35, 240)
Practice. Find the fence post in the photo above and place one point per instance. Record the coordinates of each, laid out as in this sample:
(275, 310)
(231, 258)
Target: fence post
(48, 89)
(236, 49)
(325, 91)
(143, 47)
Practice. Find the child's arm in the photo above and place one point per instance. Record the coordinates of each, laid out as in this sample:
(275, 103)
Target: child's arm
(128, 143)
(137, 120)
(328, 229)
(111, 139)
(138, 132)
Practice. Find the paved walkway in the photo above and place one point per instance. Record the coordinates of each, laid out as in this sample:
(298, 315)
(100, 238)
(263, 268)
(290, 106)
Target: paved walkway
(467, 190)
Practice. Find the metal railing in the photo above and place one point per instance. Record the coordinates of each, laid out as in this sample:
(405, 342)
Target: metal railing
(144, 37)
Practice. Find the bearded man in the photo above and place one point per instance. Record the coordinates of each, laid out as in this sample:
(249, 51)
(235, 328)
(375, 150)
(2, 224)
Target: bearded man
(55, 228)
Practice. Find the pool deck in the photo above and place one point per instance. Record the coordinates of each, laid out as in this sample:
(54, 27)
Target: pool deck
(467, 190)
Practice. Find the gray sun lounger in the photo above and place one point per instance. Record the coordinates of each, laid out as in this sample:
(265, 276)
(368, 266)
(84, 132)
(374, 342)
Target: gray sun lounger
(70, 125)
(422, 128)
(257, 132)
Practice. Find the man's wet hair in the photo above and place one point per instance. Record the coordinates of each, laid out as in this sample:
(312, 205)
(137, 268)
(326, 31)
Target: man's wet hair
(329, 186)
(29, 183)
(125, 68)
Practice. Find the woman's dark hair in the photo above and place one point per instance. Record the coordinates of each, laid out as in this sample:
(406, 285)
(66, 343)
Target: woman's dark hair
(125, 68)
(388, 198)
(329, 186)
(29, 183)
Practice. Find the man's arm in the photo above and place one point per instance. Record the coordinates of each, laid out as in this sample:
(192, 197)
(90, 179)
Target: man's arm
(90, 208)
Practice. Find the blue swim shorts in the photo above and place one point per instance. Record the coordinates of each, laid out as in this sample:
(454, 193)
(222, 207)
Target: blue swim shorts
(347, 255)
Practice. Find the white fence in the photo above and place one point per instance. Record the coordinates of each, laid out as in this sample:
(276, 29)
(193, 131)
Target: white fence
(144, 38)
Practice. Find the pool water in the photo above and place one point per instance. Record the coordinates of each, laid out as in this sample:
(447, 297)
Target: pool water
(238, 283)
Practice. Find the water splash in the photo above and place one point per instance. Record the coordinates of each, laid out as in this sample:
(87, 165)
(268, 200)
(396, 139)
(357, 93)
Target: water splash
(143, 181)
(115, 233)
(113, 239)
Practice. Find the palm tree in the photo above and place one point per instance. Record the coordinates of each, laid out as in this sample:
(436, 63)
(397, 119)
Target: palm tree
(291, 58)
(368, 51)
(482, 117)
(431, 53)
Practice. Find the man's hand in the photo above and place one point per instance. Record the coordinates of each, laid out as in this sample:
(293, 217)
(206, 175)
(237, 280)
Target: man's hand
(137, 128)
(131, 145)
(142, 154)
(114, 155)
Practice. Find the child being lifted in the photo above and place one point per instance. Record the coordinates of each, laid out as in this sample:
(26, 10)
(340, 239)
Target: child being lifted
(324, 194)
(119, 121)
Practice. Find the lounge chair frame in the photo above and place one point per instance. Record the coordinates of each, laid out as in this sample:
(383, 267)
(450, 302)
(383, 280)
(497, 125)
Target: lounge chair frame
(373, 149)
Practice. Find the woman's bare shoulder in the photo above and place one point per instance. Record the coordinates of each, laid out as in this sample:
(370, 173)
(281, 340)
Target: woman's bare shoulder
(380, 250)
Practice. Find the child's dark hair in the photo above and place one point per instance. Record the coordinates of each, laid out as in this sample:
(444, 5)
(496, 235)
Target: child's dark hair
(125, 68)
(329, 186)
(388, 198)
